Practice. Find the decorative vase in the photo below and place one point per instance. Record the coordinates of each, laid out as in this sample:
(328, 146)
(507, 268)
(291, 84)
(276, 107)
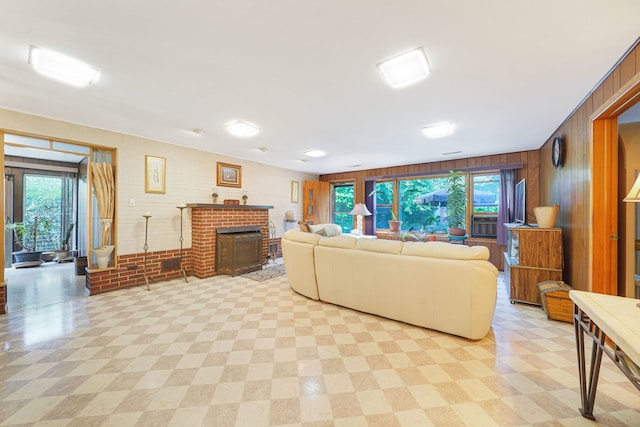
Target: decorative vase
(27, 256)
(394, 225)
(546, 215)
(102, 255)
(457, 231)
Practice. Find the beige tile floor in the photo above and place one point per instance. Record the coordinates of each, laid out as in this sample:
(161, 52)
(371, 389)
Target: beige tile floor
(234, 352)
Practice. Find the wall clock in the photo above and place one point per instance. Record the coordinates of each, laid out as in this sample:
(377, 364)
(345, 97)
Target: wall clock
(557, 152)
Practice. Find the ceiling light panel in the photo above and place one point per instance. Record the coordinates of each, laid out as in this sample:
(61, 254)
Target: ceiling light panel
(315, 153)
(242, 129)
(405, 69)
(438, 130)
(62, 67)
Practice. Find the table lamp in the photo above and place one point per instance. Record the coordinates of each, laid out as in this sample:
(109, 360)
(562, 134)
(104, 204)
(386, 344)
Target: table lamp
(359, 210)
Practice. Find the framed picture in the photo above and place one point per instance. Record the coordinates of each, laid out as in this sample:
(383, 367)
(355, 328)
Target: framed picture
(155, 174)
(229, 175)
(295, 191)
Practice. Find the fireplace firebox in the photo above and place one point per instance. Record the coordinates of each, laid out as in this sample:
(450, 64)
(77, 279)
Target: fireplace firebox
(238, 249)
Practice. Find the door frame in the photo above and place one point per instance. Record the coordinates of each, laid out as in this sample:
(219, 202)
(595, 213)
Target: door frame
(604, 187)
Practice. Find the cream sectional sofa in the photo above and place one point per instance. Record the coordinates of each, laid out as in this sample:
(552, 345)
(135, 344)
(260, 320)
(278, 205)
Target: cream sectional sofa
(446, 287)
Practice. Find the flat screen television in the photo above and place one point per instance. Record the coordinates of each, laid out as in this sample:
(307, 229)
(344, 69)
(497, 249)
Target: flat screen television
(520, 204)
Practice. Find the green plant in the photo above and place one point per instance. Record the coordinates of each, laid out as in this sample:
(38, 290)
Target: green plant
(25, 233)
(457, 200)
(65, 242)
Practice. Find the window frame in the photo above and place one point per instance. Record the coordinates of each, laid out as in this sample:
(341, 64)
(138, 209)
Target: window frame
(333, 213)
(468, 175)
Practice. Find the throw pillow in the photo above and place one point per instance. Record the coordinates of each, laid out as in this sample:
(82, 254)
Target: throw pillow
(304, 226)
(321, 232)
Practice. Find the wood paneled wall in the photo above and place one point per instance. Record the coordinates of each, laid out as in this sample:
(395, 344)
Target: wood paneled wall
(530, 161)
(571, 185)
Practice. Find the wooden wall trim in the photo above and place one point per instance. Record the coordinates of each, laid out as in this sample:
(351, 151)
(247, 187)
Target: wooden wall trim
(579, 187)
(605, 206)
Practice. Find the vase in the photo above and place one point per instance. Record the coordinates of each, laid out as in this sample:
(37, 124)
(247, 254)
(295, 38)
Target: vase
(27, 256)
(546, 215)
(457, 231)
(394, 225)
(102, 255)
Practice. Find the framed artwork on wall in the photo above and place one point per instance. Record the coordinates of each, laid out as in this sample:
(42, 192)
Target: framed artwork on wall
(295, 191)
(155, 174)
(229, 175)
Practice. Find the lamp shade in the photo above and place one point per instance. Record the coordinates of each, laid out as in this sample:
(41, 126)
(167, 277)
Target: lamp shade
(634, 193)
(360, 209)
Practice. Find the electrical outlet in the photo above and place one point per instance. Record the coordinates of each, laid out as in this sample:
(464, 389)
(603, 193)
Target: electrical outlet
(132, 202)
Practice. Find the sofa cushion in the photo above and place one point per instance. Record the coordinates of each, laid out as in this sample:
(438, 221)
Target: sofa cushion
(302, 237)
(343, 242)
(379, 245)
(443, 250)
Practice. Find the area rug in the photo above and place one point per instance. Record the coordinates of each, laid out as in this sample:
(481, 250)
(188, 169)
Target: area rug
(266, 273)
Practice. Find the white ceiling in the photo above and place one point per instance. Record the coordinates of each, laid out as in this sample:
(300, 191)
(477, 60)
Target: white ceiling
(507, 73)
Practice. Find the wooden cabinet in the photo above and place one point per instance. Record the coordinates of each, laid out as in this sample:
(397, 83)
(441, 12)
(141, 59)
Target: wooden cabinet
(533, 255)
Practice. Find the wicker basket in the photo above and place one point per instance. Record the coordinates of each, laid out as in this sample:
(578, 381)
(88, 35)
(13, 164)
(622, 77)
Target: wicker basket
(555, 300)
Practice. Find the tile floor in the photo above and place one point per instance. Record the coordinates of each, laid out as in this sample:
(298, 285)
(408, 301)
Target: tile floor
(235, 352)
(49, 283)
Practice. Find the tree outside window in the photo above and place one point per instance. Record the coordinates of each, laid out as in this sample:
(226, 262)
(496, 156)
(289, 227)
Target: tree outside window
(342, 201)
(422, 202)
(384, 204)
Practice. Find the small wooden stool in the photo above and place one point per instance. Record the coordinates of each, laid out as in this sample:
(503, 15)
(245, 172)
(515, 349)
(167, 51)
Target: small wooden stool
(555, 299)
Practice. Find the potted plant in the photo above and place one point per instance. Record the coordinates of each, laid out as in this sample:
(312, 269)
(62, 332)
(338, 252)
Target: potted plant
(26, 238)
(456, 204)
(63, 252)
(394, 224)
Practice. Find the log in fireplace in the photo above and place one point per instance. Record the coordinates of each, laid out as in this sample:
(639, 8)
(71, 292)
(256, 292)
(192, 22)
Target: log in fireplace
(238, 249)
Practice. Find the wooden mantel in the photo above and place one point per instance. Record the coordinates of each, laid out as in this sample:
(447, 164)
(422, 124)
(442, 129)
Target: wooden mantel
(221, 206)
(205, 220)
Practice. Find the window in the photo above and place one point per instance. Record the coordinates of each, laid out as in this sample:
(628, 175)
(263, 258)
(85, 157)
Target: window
(384, 204)
(486, 193)
(49, 199)
(342, 199)
(422, 202)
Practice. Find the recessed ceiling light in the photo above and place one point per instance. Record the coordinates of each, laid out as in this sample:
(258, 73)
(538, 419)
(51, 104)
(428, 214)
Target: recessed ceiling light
(452, 152)
(61, 67)
(303, 160)
(197, 131)
(315, 153)
(438, 130)
(263, 149)
(406, 68)
(242, 129)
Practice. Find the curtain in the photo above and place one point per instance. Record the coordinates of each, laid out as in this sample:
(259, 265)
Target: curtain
(506, 203)
(369, 223)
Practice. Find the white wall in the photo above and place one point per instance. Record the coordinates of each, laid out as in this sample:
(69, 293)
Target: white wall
(190, 176)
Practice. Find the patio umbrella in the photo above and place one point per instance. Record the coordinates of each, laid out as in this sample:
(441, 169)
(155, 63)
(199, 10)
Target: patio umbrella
(439, 198)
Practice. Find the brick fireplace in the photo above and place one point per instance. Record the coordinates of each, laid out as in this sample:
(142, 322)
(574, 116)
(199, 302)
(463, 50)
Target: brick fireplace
(205, 220)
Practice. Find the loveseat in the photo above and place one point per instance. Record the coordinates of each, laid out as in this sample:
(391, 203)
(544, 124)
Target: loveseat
(436, 285)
